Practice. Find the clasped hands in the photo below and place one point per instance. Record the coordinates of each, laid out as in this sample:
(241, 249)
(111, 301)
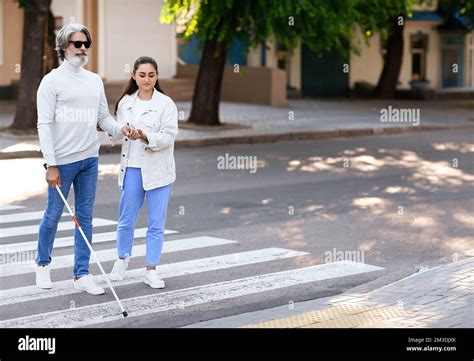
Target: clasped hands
(133, 133)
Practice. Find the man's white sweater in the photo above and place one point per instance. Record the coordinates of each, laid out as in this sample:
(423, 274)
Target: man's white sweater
(71, 103)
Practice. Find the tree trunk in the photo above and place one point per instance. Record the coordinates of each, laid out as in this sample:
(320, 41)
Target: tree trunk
(393, 61)
(207, 90)
(32, 60)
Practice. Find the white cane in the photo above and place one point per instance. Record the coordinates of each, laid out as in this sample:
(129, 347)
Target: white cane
(74, 218)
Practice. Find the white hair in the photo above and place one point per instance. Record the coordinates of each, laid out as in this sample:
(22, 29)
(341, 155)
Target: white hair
(64, 35)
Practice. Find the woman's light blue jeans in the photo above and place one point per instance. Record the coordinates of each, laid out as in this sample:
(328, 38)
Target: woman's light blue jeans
(131, 201)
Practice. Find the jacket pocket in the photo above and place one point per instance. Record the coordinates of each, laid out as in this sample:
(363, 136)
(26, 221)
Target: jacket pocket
(151, 121)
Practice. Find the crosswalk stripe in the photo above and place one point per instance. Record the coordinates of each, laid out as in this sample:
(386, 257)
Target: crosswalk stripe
(9, 207)
(21, 217)
(62, 288)
(165, 301)
(13, 268)
(62, 226)
(69, 241)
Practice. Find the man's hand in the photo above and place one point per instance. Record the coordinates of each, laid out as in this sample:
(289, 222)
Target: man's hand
(139, 135)
(53, 177)
(125, 130)
(130, 131)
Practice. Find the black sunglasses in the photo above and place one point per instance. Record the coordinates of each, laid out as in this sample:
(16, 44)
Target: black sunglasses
(78, 44)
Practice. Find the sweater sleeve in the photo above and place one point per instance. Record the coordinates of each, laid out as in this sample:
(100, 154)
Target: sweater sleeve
(46, 105)
(119, 136)
(105, 121)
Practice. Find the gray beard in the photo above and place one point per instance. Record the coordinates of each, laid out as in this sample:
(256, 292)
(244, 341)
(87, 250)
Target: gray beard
(78, 60)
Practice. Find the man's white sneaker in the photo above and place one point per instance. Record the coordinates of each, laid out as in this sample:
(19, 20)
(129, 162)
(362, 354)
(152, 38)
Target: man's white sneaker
(86, 283)
(43, 277)
(118, 271)
(152, 279)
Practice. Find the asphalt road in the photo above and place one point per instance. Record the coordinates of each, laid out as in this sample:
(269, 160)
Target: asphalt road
(386, 205)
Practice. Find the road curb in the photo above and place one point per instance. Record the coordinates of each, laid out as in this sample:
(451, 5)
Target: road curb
(265, 138)
(306, 307)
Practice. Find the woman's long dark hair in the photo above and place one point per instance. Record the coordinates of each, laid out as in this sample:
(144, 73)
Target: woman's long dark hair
(132, 86)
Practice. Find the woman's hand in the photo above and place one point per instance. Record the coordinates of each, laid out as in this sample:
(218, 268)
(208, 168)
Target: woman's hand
(142, 135)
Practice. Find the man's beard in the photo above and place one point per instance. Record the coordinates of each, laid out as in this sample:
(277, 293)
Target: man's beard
(78, 60)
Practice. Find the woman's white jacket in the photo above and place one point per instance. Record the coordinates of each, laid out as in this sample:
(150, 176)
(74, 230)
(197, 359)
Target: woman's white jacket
(161, 127)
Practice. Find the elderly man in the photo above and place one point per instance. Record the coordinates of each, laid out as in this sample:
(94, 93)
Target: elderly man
(71, 107)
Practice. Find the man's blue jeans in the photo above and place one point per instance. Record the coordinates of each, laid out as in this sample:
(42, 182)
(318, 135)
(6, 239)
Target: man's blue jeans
(83, 176)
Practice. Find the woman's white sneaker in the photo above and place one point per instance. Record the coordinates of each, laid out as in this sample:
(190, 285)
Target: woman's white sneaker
(86, 283)
(118, 271)
(43, 277)
(152, 279)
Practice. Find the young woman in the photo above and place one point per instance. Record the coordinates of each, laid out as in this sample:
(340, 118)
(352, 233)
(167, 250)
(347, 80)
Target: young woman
(147, 166)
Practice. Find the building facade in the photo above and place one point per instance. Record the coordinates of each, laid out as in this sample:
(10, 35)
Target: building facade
(437, 54)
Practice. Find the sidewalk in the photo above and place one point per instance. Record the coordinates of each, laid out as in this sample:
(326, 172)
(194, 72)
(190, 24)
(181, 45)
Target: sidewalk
(440, 297)
(301, 119)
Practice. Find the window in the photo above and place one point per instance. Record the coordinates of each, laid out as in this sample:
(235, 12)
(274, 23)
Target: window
(282, 55)
(419, 48)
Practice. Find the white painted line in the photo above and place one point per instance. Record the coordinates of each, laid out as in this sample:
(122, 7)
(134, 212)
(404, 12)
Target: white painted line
(69, 241)
(9, 207)
(62, 226)
(21, 217)
(62, 288)
(10, 269)
(188, 297)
